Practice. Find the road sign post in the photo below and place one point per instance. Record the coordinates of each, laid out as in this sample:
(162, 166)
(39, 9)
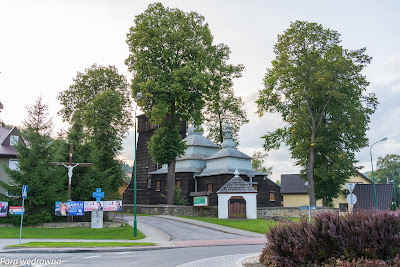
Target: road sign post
(97, 215)
(24, 195)
(351, 198)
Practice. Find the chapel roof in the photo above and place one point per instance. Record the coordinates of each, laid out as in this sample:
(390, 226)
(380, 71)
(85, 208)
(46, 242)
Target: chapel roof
(236, 185)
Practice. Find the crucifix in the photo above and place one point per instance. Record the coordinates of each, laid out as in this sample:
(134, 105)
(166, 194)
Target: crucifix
(70, 166)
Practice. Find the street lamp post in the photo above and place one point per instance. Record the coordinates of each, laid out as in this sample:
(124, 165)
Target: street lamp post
(138, 97)
(394, 191)
(372, 168)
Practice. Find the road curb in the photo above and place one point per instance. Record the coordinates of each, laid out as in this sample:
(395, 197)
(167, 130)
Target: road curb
(105, 249)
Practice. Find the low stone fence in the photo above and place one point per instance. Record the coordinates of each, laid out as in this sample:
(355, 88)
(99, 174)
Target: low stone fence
(268, 212)
(263, 212)
(172, 210)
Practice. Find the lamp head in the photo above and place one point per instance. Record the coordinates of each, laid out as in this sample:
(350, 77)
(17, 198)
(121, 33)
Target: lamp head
(139, 96)
(384, 139)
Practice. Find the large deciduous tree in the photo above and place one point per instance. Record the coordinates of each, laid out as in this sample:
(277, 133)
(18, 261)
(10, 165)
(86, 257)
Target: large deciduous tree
(317, 86)
(173, 61)
(222, 105)
(98, 106)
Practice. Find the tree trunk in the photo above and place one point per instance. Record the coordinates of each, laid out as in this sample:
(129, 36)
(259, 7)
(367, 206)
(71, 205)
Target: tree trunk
(171, 182)
(310, 170)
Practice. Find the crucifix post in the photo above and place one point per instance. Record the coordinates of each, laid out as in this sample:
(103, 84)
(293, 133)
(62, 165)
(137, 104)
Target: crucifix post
(70, 166)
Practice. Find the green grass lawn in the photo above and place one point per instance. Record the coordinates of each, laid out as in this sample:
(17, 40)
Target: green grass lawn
(124, 232)
(258, 225)
(79, 244)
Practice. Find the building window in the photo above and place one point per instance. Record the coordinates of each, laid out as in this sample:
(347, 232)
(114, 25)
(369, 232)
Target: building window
(271, 196)
(158, 185)
(149, 183)
(344, 207)
(209, 188)
(255, 187)
(178, 183)
(14, 140)
(13, 164)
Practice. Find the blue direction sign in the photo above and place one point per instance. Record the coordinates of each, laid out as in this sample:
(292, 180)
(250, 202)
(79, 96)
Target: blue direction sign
(98, 194)
(24, 191)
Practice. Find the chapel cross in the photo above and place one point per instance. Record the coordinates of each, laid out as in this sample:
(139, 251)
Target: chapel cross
(70, 166)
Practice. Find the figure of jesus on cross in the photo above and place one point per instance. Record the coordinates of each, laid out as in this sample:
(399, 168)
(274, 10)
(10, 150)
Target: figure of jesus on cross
(70, 166)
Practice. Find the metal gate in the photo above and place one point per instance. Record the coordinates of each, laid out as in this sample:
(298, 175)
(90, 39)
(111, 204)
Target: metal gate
(237, 208)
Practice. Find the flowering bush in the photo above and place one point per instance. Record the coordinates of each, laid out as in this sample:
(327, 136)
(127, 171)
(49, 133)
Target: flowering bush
(368, 235)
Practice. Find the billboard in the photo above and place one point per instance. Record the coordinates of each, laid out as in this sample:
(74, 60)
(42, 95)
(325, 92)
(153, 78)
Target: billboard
(115, 205)
(93, 205)
(3, 209)
(16, 210)
(73, 208)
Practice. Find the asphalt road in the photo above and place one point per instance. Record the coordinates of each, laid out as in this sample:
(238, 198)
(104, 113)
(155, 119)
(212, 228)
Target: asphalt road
(221, 256)
(182, 231)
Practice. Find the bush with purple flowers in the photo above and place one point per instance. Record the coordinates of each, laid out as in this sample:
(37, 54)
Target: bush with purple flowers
(361, 237)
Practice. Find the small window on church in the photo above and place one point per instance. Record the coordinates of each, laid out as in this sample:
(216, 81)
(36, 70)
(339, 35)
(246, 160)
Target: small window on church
(271, 196)
(209, 188)
(255, 187)
(158, 185)
(178, 183)
(149, 183)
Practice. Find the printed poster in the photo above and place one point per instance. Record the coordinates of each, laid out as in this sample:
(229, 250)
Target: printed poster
(16, 210)
(73, 208)
(93, 205)
(115, 205)
(3, 209)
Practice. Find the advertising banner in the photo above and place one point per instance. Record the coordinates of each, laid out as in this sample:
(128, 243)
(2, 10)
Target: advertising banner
(3, 209)
(115, 205)
(16, 210)
(73, 208)
(93, 205)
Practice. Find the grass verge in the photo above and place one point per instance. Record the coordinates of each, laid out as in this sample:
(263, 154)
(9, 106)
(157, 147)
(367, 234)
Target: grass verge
(79, 244)
(258, 225)
(124, 232)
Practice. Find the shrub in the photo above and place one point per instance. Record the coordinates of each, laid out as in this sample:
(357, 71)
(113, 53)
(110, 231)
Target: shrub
(372, 235)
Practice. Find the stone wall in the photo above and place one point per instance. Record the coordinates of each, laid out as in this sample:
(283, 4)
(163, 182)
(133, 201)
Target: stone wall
(264, 212)
(289, 212)
(172, 210)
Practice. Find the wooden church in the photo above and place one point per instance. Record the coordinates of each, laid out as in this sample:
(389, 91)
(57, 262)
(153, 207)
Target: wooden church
(202, 170)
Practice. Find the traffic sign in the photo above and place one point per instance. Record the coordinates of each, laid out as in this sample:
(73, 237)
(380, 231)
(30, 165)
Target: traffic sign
(352, 199)
(24, 191)
(350, 187)
(98, 194)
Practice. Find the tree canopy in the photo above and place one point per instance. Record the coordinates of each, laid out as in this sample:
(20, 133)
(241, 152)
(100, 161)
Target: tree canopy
(98, 105)
(257, 162)
(224, 107)
(318, 88)
(44, 188)
(388, 170)
(173, 61)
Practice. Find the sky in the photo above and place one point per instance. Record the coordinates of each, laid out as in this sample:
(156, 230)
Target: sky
(45, 43)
